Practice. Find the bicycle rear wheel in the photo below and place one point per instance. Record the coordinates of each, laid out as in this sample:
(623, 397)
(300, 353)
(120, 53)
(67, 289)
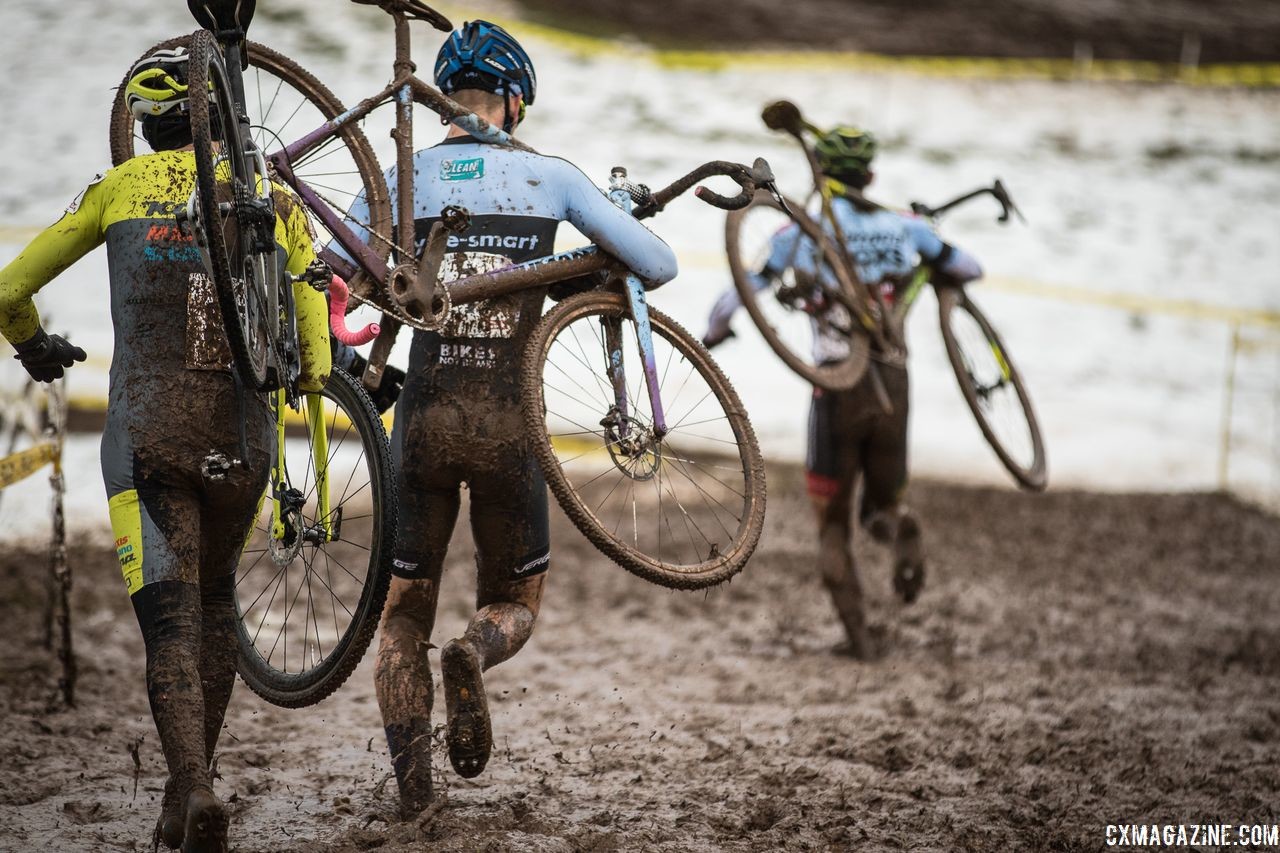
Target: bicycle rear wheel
(326, 567)
(284, 102)
(684, 509)
(219, 218)
(993, 388)
(799, 304)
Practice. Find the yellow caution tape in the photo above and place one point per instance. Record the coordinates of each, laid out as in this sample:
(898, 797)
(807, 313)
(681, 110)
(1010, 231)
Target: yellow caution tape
(1138, 303)
(24, 463)
(18, 234)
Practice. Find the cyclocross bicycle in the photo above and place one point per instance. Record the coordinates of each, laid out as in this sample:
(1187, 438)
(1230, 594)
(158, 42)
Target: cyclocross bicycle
(641, 437)
(805, 298)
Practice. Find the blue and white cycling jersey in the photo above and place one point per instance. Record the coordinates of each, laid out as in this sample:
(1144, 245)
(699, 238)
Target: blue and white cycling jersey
(885, 246)
(517, 200)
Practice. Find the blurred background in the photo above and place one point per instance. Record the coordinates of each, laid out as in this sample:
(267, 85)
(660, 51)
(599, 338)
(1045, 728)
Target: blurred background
(1141, 140)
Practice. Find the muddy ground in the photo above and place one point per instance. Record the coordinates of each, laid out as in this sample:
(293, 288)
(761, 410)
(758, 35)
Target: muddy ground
(1077, 659)
(1157, 30)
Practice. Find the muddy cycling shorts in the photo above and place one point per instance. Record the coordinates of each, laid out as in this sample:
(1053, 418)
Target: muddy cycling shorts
(508, 495)
(169, 521)
(851, 435)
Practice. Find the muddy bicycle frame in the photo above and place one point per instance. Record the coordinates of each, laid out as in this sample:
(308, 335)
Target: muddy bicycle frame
(413, 282)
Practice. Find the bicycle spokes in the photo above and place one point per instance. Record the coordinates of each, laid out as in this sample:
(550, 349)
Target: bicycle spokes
(306, 563)
(674, 492)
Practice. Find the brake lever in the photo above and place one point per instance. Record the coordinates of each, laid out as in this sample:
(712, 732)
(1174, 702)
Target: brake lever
(762, 177)
(919, 208)
(1006, 203)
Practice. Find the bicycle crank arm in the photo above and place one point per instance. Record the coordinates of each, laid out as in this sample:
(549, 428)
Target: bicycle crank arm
(381, 351)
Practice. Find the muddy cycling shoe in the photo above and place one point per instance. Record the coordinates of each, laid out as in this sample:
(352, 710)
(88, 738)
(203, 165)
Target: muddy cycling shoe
(170, 827)
(206, 826)
(882, 526)
(908, 563)
(468, 733)
(410, 745)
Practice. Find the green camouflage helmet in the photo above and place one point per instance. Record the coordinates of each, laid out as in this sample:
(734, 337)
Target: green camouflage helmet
(845, 153)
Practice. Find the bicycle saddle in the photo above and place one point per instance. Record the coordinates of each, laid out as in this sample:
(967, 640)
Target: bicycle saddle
(222, 16)
(413, 9)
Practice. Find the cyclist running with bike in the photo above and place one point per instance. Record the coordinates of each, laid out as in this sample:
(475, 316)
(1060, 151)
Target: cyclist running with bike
(852, 437)
(459, 422)
(185, 450)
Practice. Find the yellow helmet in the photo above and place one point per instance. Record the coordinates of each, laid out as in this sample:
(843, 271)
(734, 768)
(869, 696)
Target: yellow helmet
(158, 84)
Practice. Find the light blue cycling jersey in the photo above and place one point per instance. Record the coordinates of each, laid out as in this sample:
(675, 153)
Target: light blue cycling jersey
(521, 197)
(517, 199)
(885, 247)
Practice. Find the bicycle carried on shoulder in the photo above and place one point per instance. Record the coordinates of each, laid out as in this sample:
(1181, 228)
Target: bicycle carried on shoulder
(813, 294)
(640, 436)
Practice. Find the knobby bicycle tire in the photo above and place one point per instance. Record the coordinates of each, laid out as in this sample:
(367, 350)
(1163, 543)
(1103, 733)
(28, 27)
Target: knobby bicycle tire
(717, 567)
(833, 376)
(1033, 473)
(124, 139)
(224, 176)
(300, 689)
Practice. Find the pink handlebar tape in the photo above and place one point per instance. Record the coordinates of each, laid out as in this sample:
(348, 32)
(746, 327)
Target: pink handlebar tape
(338, 295)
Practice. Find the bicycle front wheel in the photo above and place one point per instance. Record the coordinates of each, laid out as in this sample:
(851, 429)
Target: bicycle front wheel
(319, 556)
(684, 508)
(803, 313)
(993, 388)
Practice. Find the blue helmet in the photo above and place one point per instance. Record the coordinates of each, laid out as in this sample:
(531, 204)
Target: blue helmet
(484, 56)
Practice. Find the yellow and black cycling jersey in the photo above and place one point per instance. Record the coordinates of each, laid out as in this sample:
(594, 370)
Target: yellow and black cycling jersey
(173, 401)
(161, 299)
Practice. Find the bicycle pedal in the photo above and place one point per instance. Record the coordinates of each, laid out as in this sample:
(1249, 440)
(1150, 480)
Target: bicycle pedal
(217, 465)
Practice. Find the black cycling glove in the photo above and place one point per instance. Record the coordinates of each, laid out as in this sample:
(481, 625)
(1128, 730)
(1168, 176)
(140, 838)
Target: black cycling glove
(45, 356)
(354, 363)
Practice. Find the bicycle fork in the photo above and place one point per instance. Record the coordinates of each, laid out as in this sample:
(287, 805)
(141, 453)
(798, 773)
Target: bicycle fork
(619, 417)
(286, 501)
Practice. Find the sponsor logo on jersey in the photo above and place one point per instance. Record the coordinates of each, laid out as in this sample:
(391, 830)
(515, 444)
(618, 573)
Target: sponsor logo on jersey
(462, 170)
(528, 242)
(75, 202)
(468, 355)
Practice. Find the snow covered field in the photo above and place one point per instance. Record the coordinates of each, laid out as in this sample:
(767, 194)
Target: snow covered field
(1154, 191)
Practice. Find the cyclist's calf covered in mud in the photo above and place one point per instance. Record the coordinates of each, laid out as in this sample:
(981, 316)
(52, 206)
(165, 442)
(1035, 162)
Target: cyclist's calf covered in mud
(458, 420)
(185, 451)
(858, 437)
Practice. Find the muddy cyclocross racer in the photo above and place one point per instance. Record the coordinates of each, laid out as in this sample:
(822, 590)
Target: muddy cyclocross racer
(853, 435)
(180, 506)
(458, 419)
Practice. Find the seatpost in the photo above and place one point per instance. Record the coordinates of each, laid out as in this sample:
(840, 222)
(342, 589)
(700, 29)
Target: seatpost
(232, 42)
(403, 136)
